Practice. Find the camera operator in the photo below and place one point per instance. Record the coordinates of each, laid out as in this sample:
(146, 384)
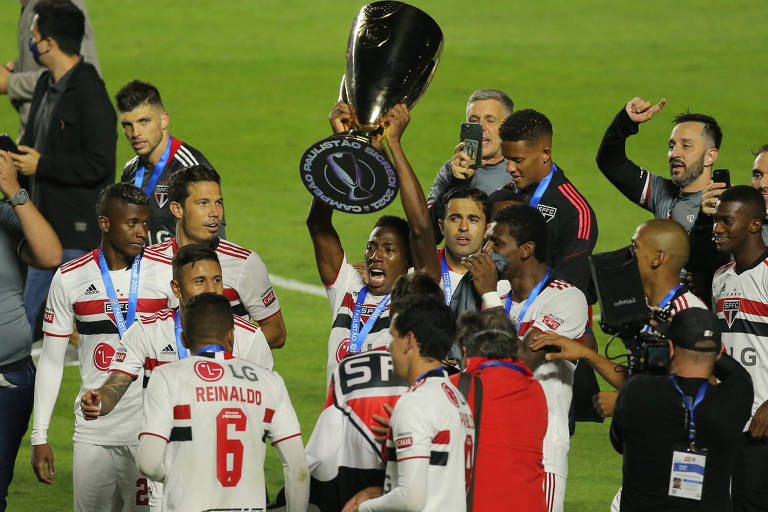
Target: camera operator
(661, 249)
(678, 433)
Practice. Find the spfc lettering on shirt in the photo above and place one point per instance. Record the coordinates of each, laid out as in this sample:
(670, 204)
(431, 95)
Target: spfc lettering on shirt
(730, 310)
(548, 212)
(161, 195)
(108, 309)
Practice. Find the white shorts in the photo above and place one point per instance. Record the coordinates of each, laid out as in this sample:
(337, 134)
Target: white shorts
(156, 496)
(554, 492)
(105, 478)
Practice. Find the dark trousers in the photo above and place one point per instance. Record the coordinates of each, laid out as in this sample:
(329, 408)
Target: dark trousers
(749, 485)
(16, 396)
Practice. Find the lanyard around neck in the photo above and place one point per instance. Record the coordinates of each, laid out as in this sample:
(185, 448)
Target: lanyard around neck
(123, 323)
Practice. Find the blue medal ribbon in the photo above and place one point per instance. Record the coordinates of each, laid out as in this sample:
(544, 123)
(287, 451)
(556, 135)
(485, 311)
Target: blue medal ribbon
(357, 335)
(139, 179)
(531, 297)
(542, 187)
(446, 273)
(691, 406)
(665, 301)
(210, 348)
(123, 323)
(180, 348)
(504, 364)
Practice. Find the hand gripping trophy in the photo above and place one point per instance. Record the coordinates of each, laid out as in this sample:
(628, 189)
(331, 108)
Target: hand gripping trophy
(392, 53)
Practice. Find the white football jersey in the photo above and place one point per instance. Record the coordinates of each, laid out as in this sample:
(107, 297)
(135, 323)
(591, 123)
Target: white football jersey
(432, 421)
(342, 294)
(562, 308)
(151, 342)
(246, 280)
(77, 295)
(741, 303)
(216, 412)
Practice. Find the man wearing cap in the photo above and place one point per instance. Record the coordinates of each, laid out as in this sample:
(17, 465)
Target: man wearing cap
(678, 433)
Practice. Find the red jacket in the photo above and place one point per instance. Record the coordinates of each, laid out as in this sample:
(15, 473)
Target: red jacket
(509, 472)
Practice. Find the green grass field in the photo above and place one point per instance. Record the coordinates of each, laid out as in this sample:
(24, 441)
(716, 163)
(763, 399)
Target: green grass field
(251, 83)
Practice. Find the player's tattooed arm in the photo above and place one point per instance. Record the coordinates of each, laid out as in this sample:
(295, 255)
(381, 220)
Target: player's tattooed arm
(100, 402)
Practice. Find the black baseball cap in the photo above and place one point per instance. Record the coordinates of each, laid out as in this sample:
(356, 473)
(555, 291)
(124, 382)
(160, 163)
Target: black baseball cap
(695, 329)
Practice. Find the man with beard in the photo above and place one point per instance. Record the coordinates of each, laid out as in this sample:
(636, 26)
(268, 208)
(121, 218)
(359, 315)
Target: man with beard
(693, 149)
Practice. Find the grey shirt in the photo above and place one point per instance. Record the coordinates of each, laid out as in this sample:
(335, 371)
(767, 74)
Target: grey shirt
(22, 82)
(15, 334)
(487, 178)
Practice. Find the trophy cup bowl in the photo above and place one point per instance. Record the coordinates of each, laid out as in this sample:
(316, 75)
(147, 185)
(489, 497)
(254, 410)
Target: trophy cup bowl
(392, 53)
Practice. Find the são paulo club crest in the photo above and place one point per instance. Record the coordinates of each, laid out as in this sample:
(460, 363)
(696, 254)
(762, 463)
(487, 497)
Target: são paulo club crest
(161, 195)
(349, 175)
(730, 310)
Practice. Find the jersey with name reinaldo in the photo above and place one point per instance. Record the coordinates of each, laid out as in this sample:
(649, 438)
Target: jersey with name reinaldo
(77, 295)
(432, 421)
(343, 454)
(216, 414)
(342, 294)
(741, 303)
(562, 308)
(162, 223)
(246, 279)
(151, 342)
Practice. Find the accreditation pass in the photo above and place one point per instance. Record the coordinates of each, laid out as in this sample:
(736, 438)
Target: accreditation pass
(686, 479)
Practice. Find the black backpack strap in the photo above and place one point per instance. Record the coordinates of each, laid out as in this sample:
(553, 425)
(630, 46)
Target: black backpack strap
(465, 380)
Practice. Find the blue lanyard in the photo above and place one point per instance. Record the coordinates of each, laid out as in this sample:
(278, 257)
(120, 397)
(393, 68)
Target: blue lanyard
(511, 366)
(446, 279)
(542, 187)
(139, 179)
(210, 348)
(424, 375)
(665, 301)
(123, 323)
(531, 297)
(357, 335)
(180, 348)
(691, 407)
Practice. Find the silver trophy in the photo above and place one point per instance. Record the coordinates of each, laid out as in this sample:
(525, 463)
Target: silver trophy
(392, 54)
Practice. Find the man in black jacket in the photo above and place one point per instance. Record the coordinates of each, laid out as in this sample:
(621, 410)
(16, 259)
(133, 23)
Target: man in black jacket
(70, 140)
(678, 431)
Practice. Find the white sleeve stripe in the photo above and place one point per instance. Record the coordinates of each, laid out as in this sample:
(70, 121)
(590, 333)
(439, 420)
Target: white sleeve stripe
(178, 156)
(188, 154)
(644, 195)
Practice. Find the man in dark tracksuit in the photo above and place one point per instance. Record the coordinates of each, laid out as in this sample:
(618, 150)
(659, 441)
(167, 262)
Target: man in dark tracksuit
(69, 143)
(158, 154)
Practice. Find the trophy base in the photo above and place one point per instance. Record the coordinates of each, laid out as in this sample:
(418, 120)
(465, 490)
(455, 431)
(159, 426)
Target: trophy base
(348, 174)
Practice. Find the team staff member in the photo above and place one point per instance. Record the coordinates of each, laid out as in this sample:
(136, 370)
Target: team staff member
(510, 407)
(393, 246)
(198, 206)
(103, 291)
(676, 431)
(488, 107)
(213, 399)
(26, 238)
(693, 148)
(740, 299)
(69, 142)
(540, 301)
(158, 154)
(431, 436)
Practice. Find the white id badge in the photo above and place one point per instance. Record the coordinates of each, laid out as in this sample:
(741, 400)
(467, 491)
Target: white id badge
(686, 479)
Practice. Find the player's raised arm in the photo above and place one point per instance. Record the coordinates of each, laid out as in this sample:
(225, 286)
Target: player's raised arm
(411, 195)
(328, 250)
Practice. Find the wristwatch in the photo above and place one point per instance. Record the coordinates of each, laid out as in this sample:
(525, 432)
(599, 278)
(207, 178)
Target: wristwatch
(20, 198)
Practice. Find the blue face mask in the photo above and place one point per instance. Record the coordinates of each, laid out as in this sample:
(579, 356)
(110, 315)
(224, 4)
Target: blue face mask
(33, 48)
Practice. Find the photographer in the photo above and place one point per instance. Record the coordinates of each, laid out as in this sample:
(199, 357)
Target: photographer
(678, 433)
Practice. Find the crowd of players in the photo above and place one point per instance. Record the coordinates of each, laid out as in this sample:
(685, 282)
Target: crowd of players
(454, 375)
